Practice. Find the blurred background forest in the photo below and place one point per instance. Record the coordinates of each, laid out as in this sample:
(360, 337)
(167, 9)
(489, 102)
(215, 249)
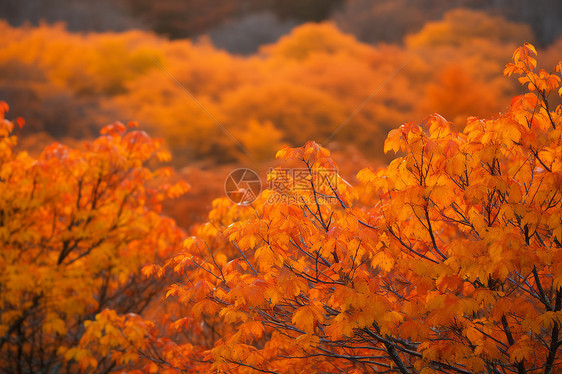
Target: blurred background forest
(273, 72)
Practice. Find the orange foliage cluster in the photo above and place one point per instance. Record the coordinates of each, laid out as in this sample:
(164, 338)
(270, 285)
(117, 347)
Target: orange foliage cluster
(76, 226)
(304, 86)
(447, 260)
(311, 84)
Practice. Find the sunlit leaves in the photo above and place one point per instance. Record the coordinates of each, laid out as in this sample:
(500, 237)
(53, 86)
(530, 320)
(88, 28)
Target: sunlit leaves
(303, 86)
(77, 227)
(448, 261)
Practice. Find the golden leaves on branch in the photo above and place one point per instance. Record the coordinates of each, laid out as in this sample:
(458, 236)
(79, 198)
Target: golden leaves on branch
(447, 259)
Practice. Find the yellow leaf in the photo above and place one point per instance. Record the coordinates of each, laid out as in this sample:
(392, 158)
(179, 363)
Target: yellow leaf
(383, 261)
(306, 341)
(306, 318)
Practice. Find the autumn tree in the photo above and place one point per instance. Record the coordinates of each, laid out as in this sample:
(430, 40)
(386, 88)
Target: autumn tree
(456, 94)
(461, 26)
(447, 260)
(466, 50)
(76, 226)
(305, 85)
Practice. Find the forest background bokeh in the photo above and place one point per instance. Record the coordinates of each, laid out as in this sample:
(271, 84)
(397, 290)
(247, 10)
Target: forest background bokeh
(271, 72)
